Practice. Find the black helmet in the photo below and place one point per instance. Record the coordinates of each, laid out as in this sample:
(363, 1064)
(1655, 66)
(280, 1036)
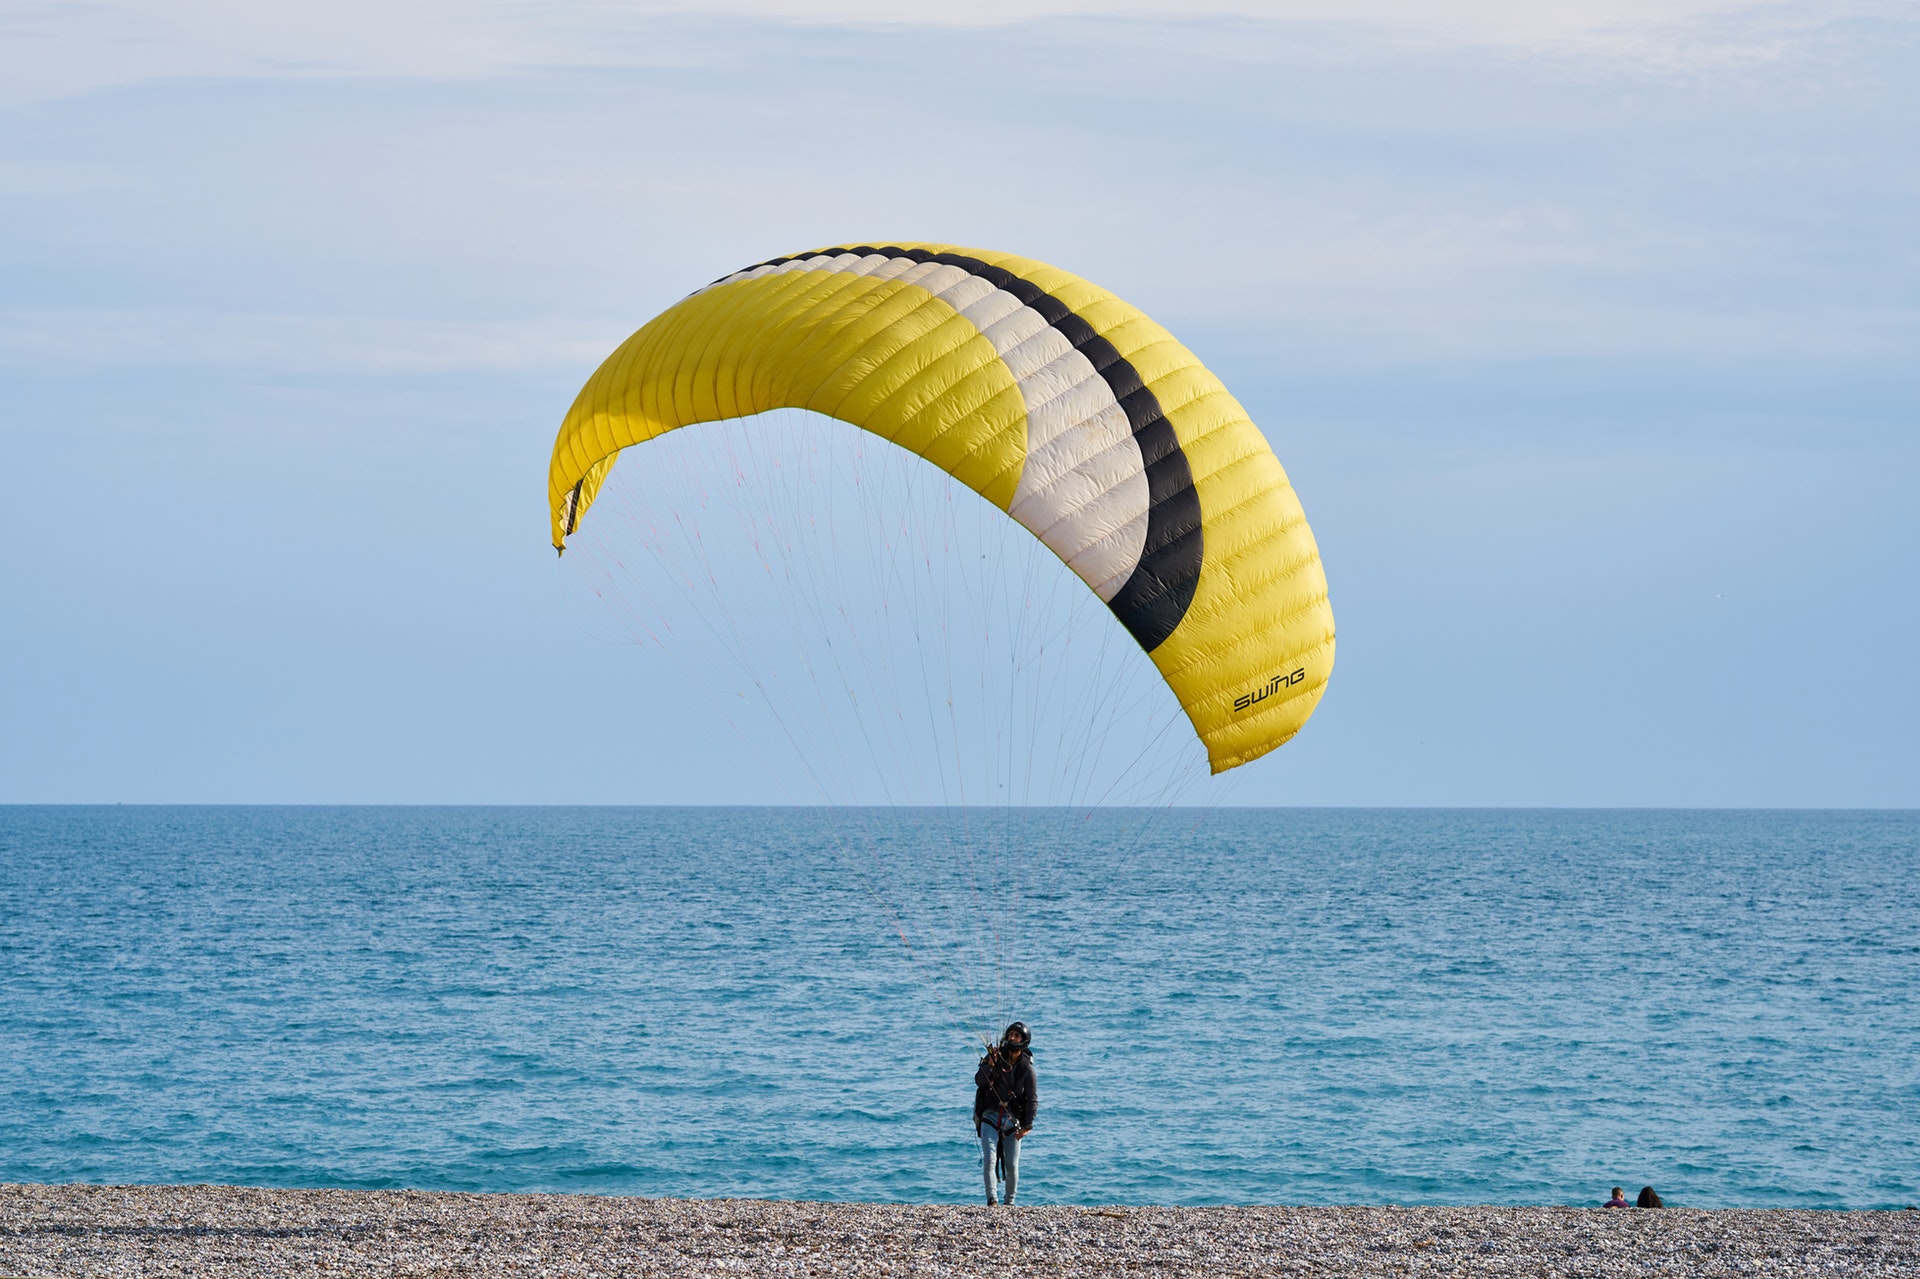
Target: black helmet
(1020, 1028)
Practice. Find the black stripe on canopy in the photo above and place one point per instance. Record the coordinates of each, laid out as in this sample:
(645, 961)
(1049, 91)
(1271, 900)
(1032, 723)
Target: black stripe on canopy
(1156, 597)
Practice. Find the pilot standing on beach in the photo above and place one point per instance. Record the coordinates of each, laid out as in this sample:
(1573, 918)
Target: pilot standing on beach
(1005, 1097)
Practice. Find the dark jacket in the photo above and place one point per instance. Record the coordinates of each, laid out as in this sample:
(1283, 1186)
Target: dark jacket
(1005, 1083)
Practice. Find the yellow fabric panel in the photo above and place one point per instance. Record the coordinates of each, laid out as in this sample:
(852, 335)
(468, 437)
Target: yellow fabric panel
(1261, 610)
(887, 357)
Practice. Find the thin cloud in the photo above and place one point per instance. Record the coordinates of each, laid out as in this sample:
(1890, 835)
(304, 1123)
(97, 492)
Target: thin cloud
(64, 342)
(56, 50)
(1362, 203)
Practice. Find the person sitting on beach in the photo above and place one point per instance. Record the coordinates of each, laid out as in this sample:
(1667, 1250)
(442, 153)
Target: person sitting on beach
(1005, 1098)
(1648, 1198)
(1619, 1200)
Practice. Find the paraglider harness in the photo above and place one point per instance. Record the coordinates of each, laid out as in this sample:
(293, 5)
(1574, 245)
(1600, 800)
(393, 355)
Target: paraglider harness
(1008, 1122)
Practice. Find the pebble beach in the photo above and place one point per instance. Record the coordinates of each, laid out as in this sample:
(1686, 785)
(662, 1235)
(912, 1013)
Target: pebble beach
(232, 1231)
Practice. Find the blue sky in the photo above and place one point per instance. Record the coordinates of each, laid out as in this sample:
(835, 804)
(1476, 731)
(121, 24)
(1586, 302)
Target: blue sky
(1586, 332)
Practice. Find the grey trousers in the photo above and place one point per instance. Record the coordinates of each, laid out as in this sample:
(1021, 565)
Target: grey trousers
(989, 1143)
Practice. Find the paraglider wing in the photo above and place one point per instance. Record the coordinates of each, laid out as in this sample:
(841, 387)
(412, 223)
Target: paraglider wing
(1050, 397)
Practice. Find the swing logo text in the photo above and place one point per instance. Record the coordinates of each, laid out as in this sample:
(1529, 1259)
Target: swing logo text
(1272, 686)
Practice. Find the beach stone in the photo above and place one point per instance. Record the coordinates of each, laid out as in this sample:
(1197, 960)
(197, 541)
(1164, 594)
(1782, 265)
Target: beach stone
(219, 1231)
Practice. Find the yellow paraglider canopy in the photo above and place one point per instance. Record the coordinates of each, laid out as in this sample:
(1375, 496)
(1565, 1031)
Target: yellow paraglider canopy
(1050, 397)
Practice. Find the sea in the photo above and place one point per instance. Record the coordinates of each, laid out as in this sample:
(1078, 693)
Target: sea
(1231, 1006)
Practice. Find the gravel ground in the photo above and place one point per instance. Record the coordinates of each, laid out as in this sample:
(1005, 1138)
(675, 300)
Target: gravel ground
(222, 1230)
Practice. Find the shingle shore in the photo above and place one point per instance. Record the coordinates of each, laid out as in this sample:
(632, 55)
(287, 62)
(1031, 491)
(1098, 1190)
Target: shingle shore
(223, 1230)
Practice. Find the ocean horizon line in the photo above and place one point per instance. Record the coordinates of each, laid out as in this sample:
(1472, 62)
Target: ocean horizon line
(466, 805)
